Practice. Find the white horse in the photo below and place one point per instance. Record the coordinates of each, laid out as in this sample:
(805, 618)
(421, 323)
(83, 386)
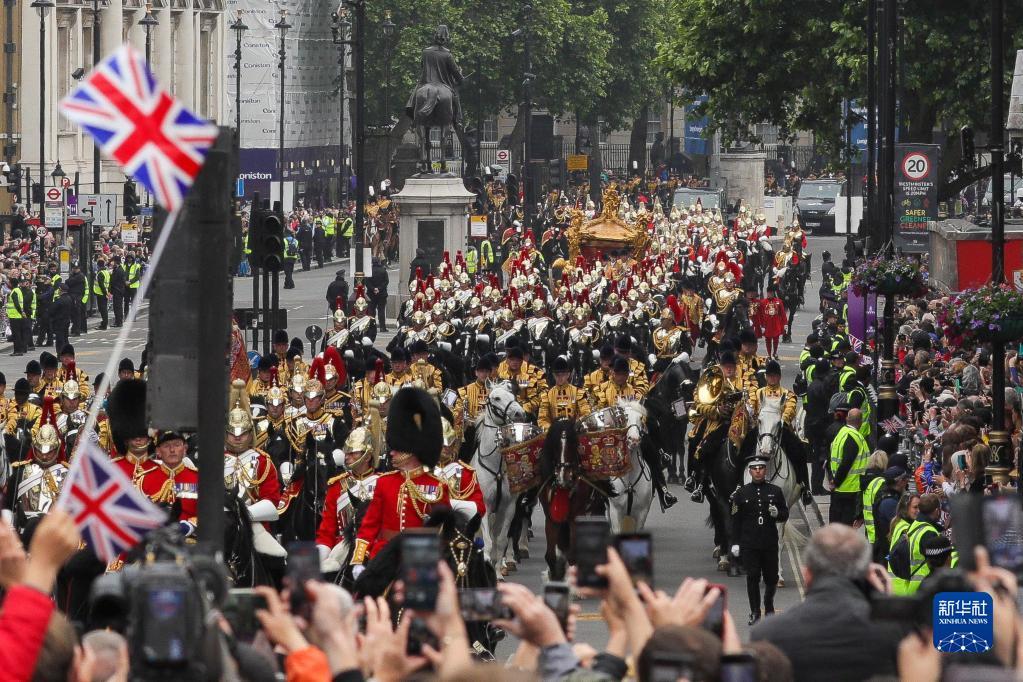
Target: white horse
(502, 408)
(634, 491)
(780, 471)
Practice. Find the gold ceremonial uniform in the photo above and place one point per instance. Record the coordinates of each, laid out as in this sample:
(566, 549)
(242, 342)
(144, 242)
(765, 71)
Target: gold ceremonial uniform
(401, 380)
(693, 305)
(668, 342)
(637, 376)
(63, 376)
(609, 393)
(562, 402)
(257, 388)
(14, 412)
(746, 367)
(470, 400)
(530, 381)
(593, 381)
(788, 401)
(708, 412)
(428, 374)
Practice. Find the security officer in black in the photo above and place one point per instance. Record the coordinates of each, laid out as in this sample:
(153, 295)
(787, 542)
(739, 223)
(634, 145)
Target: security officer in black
(757, 509)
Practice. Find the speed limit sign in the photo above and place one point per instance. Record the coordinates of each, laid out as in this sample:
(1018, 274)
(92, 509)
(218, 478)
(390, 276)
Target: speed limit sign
(41, 232)
(915, 166)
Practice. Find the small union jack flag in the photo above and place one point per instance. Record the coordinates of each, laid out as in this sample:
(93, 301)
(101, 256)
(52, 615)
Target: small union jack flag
(157, 141)
(855, 343)
(111, 513)
(893, 425)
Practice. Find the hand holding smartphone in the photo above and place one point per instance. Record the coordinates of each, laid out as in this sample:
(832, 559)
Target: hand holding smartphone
(420, 553)
(592, 534)
(557, 597)
(637, 553)
(303, 565)
(240, 611)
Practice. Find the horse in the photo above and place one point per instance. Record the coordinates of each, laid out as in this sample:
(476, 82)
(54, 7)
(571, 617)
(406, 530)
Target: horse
(724, 471)
(310, 473)
(502, 408)
(790, 292)
(632, 493)
(667, 430)
(564, 494)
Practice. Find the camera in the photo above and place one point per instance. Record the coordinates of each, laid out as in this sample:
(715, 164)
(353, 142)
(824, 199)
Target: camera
(161, 606)
(991, 521)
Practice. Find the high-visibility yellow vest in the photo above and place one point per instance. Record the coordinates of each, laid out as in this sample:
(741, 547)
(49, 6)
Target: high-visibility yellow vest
(847, 374)
(85, 293)
(245, 244)
(102, 277)
(917, 563)
(328, 226)
(486, 253)
(12, 311)
(900, 587)
(134, 276)
(851, 484)
(347, 227)
(870, 494)
(471, 260)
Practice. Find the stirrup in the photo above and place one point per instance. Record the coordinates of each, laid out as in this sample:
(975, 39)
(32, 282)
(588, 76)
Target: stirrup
(697, 495)
(690, 484)
(666, 499)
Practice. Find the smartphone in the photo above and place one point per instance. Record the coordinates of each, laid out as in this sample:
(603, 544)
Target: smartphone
(303, 566)
(420, 552)
(591, 538)
(670, 667)
(895, 609)
(740, 667)
(557, 597)
(996, 521)
(714, 621)
(482, 603)
(637, 552)
(959, 460)
(240, 611)
(418, 635)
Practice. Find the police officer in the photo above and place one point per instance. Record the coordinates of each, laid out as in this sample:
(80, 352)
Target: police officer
(101, 291)
(290, 257)
(849, 454)
(757, 509)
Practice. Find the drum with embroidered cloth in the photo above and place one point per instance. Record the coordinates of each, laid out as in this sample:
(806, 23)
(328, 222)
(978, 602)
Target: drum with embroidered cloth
(603, 451)
(521, 445)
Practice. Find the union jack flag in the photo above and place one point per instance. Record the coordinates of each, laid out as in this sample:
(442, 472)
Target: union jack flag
(111, 513)
(893, 425)
(157, 141)
(857, 344)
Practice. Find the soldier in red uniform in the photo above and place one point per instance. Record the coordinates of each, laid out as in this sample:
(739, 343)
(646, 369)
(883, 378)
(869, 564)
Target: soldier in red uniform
(772, 320)
(184, 477)
(403, 498)
(126, 408)
(347, 494)
(459, 476)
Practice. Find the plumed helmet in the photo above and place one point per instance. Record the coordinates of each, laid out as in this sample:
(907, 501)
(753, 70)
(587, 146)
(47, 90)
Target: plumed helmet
(239, 419)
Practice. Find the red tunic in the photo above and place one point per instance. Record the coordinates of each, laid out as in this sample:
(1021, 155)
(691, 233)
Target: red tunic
(467, 487)
(772, 318)
(185, 480)
(336, 517)
(395, 508)
(148, 476)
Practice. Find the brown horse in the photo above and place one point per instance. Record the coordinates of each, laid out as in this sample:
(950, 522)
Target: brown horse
(564, 494)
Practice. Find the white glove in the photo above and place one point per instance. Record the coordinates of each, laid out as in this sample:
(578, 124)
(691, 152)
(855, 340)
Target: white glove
(324, 552)
(652, 358)
(357, 570)
(483, 338)
(772, 510)
(735, 550)
(444, 346)
(339, 457)
(349, 354)
(261, 511)
(464, 508)
(187, 529)
(366, 341)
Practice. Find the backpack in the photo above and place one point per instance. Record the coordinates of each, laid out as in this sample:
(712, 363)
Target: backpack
(899, 558)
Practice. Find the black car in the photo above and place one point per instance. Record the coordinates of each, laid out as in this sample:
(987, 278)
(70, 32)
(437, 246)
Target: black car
(816, 204)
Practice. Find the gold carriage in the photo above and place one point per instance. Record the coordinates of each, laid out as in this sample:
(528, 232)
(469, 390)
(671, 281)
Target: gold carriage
(605, 232)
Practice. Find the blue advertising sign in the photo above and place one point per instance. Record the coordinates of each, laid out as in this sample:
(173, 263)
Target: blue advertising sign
(695, 126)
(963, 622)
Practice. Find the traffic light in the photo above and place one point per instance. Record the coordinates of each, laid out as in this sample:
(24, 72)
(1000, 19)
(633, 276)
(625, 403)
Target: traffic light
(131, 200)
(967, 147)
(557, 173)
(257, 235)
(273, 242)
(16, 178)
(37, 193)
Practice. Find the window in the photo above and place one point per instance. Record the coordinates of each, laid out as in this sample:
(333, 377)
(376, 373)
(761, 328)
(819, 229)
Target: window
(490, 130)
(653, 126)
(206, 66)
(65, 59)
(87, 48)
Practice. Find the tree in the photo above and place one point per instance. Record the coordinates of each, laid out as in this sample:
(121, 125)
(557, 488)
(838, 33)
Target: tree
(786, 63)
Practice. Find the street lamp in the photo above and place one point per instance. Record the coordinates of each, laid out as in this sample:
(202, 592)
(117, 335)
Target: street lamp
(96, 168)
(283, 27)
(341, 29)
(527, 93)
(239, 28)
(58, 176)
(387, 27)
(43, 7)
(148, 22)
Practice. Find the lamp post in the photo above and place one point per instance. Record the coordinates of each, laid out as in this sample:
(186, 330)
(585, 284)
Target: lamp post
(58, 176)
(43, 7)
(387, 27)
(283, 27)
(239, 28)
(148, 22)
(341, 28)
(527, 94)
(96, 167)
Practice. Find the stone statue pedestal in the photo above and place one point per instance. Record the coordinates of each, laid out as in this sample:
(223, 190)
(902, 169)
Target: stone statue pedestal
(434, 217)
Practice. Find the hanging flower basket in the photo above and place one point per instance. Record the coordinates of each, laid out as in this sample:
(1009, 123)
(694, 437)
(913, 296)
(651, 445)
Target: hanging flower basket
(990, 314)
(889, 276)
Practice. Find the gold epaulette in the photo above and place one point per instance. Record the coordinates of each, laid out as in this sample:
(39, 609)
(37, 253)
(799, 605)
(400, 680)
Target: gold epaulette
(24, 462)
(339, 477)
(117, 459)
(392, 472)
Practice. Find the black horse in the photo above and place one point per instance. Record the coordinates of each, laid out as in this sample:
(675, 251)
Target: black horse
(666, 428)
(790, 292)
(724, 471)
(307, 490)
(564, 494)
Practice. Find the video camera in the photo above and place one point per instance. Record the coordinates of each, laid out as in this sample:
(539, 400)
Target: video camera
(162, 606)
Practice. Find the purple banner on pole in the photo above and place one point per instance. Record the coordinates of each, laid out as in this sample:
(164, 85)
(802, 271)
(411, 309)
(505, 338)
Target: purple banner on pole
(862, 315)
